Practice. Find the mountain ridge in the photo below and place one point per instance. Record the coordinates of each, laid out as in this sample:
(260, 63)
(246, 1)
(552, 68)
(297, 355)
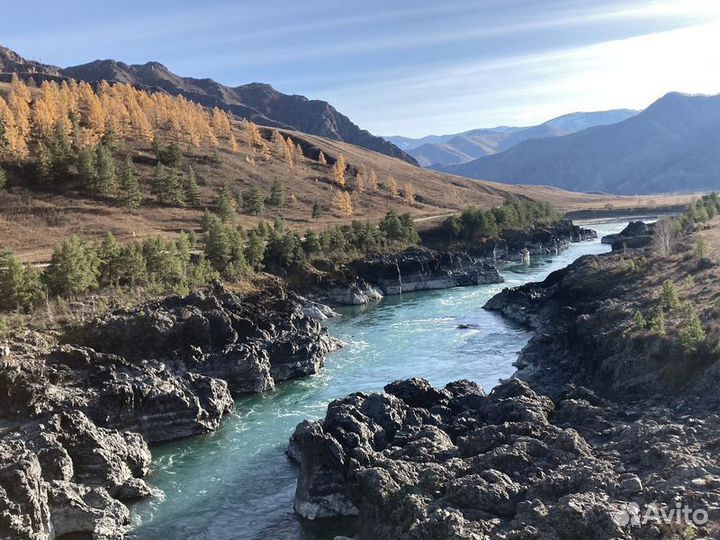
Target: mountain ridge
(451, 149)
(258, 102)
(672, 146)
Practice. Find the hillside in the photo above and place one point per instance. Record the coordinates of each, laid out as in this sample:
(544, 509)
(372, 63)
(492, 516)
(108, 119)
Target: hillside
(672, 146)
(434, 151)
(48, 198)
(258, 102)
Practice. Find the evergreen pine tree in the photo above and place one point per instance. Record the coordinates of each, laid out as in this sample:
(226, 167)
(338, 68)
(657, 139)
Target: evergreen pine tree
(73, 269)
(86, 169)
(106, 172)
(226, 206)
(129, 186)
(255, 250)
(20, 286)
(253, 202)
(109, 253)
(192, 191)
(217, 244)
(3, 178)
(277, 194)
(316, 211)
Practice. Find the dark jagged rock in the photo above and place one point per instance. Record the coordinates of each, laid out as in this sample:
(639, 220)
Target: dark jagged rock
(453, 462)
(637, 234)
(431, 463)
(75, 417)
(417, 269)
(549, 240)
(424, 269)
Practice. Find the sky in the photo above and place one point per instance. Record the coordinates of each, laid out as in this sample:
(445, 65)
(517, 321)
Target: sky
(401, 67)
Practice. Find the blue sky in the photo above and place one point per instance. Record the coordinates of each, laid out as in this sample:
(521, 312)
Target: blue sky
(405, 67)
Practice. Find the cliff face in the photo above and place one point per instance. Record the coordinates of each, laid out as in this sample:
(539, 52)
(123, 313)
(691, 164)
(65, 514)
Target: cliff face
(76, 418)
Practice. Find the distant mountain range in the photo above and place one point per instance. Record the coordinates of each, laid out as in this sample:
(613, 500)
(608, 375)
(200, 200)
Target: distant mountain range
(258, 102)
(439, 150)
(672, 146)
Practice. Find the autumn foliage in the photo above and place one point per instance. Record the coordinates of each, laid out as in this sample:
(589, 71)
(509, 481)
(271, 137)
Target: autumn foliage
(29, 117)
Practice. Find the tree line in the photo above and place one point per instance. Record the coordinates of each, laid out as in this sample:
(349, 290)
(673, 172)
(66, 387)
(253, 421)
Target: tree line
(226, 251)
(475, 223)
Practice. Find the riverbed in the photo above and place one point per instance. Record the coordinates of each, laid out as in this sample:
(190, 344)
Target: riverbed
(237, 483)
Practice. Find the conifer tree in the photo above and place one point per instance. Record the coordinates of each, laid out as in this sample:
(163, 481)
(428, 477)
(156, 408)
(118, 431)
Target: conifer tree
(344, 203)
(3, 178)
(131, 267)
(129, 186)
(159, 178)
(109, 253)
(255, 250)
(106, 171)
(192, 191)
(298, 152)
(73, 269)
(217, 244)
(278, 144)
(409, 194)
(253, 202)
(392, 187)
(316, 211)
(339, 170)
(87, 171)
(20, 286)
(321, 158)
(277, 194)
(372, 180)
(225, 205)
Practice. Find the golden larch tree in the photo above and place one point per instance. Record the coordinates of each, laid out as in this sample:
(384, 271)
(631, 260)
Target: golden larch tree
(392, 186)
(339, 170)
(372, 180)
(321, 158)
(409, 194)
(344, 203)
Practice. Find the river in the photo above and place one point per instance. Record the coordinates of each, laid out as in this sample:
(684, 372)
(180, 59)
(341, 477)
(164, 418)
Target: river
(237, 483)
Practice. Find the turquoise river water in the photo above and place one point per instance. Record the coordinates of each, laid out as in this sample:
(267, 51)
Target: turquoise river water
(237, 483)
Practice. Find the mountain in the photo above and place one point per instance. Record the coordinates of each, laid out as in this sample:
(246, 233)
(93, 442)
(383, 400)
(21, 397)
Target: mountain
(672, 146)
(436, 150)
(256, 101)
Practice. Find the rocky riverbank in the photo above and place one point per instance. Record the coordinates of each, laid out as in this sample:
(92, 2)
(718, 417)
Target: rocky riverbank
(78, 408)
(422, 269)
(607, 428)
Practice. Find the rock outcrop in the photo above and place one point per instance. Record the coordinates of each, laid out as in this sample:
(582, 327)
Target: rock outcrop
(417, 462)
(77, 411)
(637, 234)
(606, 427)
(372, 278)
